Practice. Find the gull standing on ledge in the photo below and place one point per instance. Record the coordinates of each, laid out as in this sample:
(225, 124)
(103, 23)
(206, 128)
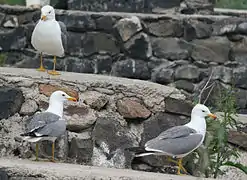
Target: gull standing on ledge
(49, 37)
(178, 141)
(48, 125)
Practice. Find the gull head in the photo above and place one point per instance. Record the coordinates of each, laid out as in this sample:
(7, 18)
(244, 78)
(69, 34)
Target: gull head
(47, 13)
(202, 111)
(60, 96)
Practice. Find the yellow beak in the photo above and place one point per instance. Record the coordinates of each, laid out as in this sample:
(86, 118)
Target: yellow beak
(212, 116)
(43, 18)
(72, 99)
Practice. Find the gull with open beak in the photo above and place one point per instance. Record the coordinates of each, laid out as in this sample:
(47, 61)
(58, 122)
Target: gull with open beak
(49, 37)
(179, 141)
(48, 125)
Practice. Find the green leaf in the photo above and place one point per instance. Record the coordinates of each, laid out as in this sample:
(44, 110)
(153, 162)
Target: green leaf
(236, 165)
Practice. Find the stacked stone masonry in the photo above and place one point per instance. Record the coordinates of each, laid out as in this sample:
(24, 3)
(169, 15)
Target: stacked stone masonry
(170, 49)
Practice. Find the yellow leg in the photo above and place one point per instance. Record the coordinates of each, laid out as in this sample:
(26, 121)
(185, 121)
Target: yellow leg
(54, 72)
(37, 152)
(41, 68)
(180, 167)
(53, 152)
(171, 160)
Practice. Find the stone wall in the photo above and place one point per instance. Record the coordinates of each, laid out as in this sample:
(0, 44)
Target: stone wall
(170, 49)
(112, 114)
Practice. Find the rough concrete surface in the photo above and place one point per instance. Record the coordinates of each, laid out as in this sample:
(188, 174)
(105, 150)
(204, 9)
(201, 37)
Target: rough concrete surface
(47, 170)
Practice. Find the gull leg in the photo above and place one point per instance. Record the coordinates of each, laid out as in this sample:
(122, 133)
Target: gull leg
(53, 152)
(54, 72)
(180, 167)
(171, 160)
(41, 68)
(37, 152)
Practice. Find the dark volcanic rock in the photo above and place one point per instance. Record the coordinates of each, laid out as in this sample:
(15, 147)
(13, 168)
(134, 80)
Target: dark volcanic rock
(158, 123)
(11, 100)
(169, 48)
(178, 106)
(187, 72)
(215, 49)
(139, 46)
(99, 42)
(185, 85)
(162, 75)
(166, 28)
(12, 39)
(111, 139)
(105, 23)
(131, 68)
(196, 30)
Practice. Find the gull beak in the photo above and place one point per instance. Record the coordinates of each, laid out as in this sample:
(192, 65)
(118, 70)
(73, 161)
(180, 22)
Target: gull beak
(212, 116)
(72, 99)
(43, 18)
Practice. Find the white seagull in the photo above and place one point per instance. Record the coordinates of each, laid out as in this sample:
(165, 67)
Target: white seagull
(178, 141)
(49, 37)
(48, 125)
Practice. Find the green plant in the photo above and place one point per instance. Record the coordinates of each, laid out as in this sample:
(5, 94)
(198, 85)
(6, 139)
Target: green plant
(3, 58)
(231, 4)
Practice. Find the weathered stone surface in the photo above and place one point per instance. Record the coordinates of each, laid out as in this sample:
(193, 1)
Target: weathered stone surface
(79, 118)
(11, 100)
(169, 48)
(110, 141)
(77, 22)
(81, 147)
(158, 123)
(241, 98)
(187, 72)
(214, 49)
(178, 107)
(238, 52)
(132, 109)
(10, 22)
(105, 23)
(47, 90)
(95, 99)
(29, 107)
(139, 46)
(127, 27)
(12, 39)
(196, 6)
(95, 42)
(222, 73)
(102, 64)
(226, 26)
(196, 30)
(242, 28)
(131, 68)
(28, 170)
(162, 74)
(79, 65)
(185, 85)
(165, 28)
(238, 138)
(240, 76)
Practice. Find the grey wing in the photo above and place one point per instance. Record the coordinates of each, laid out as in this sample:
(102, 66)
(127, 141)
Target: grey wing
(175, 132)
(176, 141)
(41, 119)
(64, 35)
(54, 129)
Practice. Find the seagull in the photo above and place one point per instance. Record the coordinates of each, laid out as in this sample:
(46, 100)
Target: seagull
(179, 141)
(49, 37)
(48, 125)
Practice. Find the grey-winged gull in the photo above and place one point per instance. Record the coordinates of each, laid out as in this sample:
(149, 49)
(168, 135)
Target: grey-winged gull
(178, 141)
(48, 125)
(49, 37)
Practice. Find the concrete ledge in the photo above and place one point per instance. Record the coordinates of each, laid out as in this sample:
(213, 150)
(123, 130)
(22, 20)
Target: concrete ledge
(46, 170)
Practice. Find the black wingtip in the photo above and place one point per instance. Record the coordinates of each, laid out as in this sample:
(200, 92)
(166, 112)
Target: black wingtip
(136, 149)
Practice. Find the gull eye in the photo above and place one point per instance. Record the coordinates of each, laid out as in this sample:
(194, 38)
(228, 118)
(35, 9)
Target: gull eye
(203, 111)
(63, 94)
(49, 12)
